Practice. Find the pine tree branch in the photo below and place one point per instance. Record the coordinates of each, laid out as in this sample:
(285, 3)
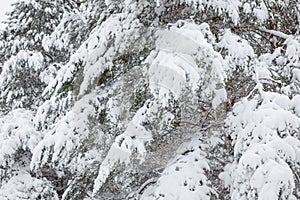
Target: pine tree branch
(275, 33)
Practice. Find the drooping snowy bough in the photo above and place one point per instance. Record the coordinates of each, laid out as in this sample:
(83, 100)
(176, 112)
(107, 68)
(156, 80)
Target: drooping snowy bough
(167, 99)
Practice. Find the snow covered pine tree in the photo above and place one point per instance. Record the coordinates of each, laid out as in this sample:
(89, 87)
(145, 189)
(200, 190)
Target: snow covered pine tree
(150, 100)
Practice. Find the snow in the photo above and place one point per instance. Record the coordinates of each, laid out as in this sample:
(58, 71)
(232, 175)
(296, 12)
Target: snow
(296, 75)
(100, 101)
(116, 154)
(293, 51)
(13, 71)
(172, 67)
(63, 139)
(296, 105)
(16, 132)
(284, 149)
(247, 8)
(262, 135)
(133, 139)
(276, 33)
(239, 50)
(166, 64)
(175, 64)
(269, 178)
(295, 144)
(60, 39)
(263, 74)
(48, 75)
(184, 177)
(26, 187)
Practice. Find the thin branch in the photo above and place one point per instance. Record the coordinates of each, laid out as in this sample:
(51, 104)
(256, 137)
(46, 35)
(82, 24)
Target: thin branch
(217, 124)
(146, 184)
(141, 188)
(275, 33)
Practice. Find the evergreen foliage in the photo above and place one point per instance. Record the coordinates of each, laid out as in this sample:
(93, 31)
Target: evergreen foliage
(150, 100)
